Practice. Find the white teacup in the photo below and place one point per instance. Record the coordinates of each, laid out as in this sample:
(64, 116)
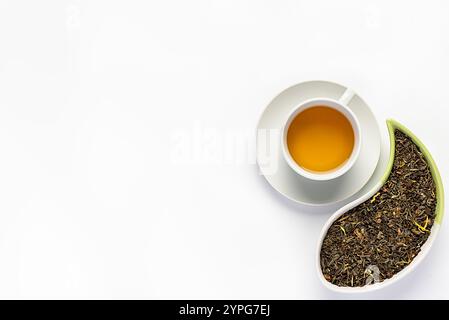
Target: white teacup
(339, 105)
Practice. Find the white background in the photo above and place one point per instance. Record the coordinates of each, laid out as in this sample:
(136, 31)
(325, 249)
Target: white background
(92, 203)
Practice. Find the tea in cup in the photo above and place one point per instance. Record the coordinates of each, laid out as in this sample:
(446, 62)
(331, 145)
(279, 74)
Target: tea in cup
(321, 138)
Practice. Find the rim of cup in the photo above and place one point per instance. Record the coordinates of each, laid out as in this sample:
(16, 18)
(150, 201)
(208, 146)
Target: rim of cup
(342, 169)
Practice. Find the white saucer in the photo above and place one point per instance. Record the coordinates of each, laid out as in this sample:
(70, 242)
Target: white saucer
(278, 173)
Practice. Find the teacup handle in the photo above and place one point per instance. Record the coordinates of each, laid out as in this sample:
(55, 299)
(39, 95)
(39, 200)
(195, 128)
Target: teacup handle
(347, 96)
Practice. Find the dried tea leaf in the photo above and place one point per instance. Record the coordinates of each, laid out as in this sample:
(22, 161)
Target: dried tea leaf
(386, 231)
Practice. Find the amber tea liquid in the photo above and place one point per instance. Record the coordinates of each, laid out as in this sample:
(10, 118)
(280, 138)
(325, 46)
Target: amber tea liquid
(320, 139)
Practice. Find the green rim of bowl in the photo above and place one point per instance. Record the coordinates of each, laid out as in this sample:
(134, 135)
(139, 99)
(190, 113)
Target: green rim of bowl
(392, 125)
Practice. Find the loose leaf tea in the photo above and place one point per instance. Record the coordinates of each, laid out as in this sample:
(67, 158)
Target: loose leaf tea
(381, 236)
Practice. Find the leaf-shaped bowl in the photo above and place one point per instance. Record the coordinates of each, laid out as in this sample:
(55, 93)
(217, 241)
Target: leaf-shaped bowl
(392, 126)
